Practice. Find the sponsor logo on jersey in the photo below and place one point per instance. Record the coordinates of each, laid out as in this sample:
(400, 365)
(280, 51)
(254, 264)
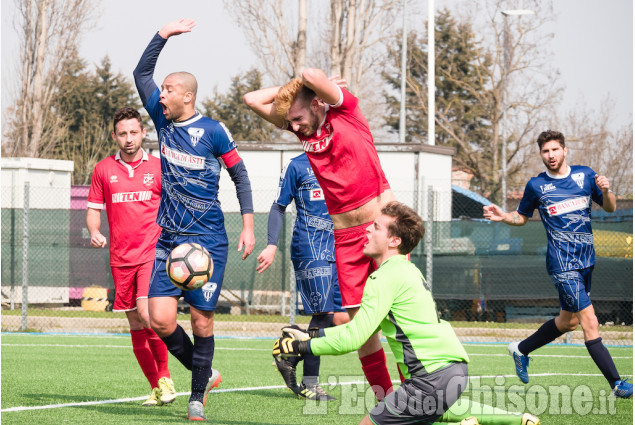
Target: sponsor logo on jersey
(148, 179)
(547, 187)
(317, 145)
(195, 134)
(144, 195)
(113, 179)
(579, 179)
(317, 195)
(568, 205)
(182, 159)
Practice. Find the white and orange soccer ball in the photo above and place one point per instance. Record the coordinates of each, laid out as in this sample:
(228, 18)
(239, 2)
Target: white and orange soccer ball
(189, 266)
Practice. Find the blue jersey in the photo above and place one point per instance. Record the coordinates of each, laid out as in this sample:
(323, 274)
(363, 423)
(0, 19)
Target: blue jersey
(190, 168)
(564, 205)
(190, 171)
(313, 228)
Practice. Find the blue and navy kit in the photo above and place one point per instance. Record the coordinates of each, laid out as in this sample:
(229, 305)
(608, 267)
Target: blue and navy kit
(190, 172)
(313, 243)
(190, 168)
(313, 229)
(564, 205)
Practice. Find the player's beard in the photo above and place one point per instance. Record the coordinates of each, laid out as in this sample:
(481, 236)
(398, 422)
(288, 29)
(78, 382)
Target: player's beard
(556, 167)
(314, 122)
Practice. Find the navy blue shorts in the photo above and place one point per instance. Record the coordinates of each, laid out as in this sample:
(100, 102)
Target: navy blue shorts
(204, 298)
(573, 287)
(318, 286)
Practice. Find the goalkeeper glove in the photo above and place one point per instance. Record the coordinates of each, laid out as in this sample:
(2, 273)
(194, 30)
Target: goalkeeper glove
(287, 346)
(298, 333)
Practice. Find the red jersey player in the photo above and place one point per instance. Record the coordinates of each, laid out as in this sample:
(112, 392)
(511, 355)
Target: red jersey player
(128, 186)
(336, 137)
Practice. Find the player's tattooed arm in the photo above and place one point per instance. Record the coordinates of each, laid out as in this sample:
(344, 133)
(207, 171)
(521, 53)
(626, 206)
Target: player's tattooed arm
(515, 219)
(495, 213)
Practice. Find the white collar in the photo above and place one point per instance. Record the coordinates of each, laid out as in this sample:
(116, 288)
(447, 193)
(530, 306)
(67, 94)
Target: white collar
(118, 156)
(319, 129)
(197, 116)
(553, 176)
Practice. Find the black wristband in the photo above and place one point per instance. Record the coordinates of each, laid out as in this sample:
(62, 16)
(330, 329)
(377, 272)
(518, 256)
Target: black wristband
(302, 347)
(314, 332)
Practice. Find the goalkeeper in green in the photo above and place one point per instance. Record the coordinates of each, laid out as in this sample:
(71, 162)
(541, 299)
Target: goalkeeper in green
(397, 299)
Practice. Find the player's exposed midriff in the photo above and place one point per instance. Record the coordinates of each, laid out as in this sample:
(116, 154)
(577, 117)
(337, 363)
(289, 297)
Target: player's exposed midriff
(364, 213)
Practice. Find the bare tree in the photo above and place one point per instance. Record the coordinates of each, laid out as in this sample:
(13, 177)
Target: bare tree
(279, 37)
(515, 64)
(592, 140)
(276, 34)
(49, 31)
(357, 26)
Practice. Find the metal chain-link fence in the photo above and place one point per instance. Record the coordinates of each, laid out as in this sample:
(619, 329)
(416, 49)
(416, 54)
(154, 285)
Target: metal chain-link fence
(479, 270)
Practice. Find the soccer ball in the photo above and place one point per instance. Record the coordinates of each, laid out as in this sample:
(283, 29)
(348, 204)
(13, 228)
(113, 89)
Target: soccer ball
(189, 266)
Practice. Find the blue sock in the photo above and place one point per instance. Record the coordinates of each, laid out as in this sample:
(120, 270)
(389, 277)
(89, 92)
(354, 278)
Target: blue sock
(311, 369)
(201, 366)
(603, 360)
(543, 336)
(180, 345)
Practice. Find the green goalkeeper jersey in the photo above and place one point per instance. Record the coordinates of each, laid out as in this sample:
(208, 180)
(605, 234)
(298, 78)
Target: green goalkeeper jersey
(398, 300)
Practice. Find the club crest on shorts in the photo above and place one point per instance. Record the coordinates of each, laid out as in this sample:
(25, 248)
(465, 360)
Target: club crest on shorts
(579, 179)
(195, 134)
(208, 290)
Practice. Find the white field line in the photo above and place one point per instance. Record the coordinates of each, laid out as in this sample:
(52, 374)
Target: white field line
(244, 389)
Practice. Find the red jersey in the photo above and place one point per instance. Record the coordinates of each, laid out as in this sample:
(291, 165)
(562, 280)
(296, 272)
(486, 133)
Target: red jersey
(131, 197)
(344, 158)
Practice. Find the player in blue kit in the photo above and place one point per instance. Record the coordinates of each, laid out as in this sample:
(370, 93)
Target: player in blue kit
(313, 257)
(193, 148)
(563, 196)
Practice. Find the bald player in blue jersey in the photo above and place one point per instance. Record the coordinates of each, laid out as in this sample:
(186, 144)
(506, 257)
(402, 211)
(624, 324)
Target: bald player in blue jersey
(563, 196)
(194, 149)
(313, 257)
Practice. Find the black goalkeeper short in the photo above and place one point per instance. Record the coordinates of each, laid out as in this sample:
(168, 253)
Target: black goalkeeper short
(422, 399)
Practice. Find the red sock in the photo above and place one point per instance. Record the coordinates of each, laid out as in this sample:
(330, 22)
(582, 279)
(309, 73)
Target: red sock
(144, 356)
(159, 352)
(376, 371)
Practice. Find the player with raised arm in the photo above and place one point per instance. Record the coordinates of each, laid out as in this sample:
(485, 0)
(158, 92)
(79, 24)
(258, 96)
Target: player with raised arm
(398, 300)
(312, 254)
(128, 186)
(193, 148)
(339, 145)
(563, 194)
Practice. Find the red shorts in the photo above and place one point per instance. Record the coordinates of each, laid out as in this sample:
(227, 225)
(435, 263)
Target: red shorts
(353, 267)
(131, 283)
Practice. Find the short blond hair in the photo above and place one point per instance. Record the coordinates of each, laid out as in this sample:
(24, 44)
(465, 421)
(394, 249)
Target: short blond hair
(286, 95)
(289, 93)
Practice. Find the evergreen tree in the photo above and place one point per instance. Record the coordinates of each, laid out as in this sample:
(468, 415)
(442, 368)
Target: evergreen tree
(89, 101)
(462, 115)
(230, 109)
